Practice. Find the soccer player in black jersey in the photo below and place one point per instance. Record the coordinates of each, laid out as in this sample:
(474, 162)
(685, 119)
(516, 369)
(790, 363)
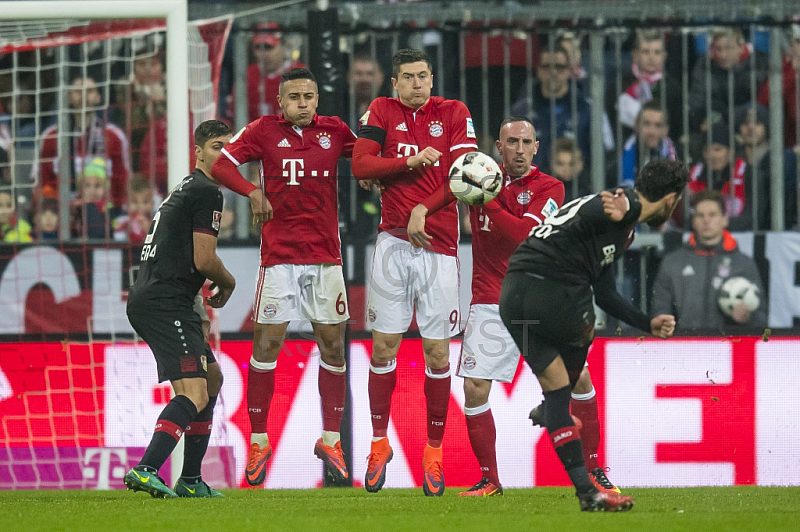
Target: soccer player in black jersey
(546, 299)
(179, 253)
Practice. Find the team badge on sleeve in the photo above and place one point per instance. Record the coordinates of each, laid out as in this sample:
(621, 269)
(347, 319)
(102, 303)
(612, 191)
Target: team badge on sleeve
(216, 220)
(470, 129)
(436, 129)
(324, 141)
(550, 207)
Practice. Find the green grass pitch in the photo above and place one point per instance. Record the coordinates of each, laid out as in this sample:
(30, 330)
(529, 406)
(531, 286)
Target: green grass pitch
(543, 509)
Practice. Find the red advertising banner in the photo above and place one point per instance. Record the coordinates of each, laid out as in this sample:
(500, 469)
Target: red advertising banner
(685, 412)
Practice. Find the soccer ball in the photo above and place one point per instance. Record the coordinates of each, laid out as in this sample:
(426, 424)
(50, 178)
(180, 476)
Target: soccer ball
(738, 290)
(475, 178)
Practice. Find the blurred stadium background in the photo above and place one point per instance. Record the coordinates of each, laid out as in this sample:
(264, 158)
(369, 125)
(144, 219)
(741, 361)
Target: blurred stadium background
(77, 390)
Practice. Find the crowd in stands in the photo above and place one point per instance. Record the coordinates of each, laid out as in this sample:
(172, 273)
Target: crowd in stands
(116, 132)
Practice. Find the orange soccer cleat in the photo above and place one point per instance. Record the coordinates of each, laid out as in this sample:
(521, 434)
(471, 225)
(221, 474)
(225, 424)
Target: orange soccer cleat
(256, 472)
(605, 501)
(600, 480)
(433, 471)
(333, 457)
(380, 455)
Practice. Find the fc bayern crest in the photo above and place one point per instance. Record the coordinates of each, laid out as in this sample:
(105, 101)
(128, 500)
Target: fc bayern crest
(470, 362)
(270, 310)
(524, 197)
(324, 142)
(436, 129)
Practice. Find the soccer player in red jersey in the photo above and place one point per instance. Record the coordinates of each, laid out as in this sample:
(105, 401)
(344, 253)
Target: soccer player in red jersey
(407, 144)
(488, 352)
(301, 261)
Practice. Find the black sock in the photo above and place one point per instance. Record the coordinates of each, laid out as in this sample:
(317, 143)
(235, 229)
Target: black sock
(171, 423)
(198, 433)
(566, 438)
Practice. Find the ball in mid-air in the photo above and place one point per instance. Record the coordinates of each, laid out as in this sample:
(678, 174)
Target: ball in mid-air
(475, 178)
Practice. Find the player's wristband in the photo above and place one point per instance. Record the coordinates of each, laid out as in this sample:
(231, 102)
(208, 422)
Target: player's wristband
(200, 307)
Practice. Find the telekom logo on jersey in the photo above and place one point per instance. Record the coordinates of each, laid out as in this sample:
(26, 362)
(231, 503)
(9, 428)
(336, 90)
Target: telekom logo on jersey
(407, 150)
(294, 168)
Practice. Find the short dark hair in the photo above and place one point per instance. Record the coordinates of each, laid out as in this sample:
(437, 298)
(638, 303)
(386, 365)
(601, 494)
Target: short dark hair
(566, 145)
(210, 129)
(659, 178)
(512, 119)
(408, 55)
(653, 105)
(648, 35)
(296, 73)
(709, 195)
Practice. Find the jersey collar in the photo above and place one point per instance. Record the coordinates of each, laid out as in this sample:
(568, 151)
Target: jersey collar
(534, 173)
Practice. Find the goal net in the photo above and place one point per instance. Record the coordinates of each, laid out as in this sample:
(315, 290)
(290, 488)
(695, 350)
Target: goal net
(84, 109)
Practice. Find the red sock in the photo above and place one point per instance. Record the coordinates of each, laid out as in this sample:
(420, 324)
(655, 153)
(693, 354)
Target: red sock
(332, 383)
(382, 380)
(586, 411)
(482, 437)
(437, 398)
(260, 387)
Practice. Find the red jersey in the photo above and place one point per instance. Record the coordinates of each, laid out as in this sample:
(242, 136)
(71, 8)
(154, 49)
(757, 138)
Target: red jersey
(501, 225)
(100, 140)
(402, 132)
(262, 90)
(299, 177)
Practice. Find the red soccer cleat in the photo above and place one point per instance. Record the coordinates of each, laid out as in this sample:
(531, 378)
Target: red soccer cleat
(484, 488)
(605, 501)
(601, 482)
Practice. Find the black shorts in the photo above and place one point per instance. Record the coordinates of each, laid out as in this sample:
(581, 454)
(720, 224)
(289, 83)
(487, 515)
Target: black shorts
(548, 319)
(176, 340)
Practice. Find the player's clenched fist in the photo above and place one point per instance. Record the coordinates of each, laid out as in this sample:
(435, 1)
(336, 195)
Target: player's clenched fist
(663, 326)
(262, 208)
(426, 157)
(614, 205)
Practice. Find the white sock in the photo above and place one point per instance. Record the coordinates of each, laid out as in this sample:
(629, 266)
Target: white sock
(378, 439)
(260, 438)
(330, 438)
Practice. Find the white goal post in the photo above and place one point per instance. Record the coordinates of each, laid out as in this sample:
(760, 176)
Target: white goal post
(176, 14)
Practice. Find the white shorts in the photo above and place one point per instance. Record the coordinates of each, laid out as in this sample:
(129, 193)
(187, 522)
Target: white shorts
(287, 292)
(488, 350)
(403, 277)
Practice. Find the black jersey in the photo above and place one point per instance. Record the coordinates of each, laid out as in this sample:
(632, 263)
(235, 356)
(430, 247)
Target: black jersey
(575, 243)
(167, 275)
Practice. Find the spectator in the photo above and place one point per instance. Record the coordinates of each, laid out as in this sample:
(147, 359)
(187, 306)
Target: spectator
(567, 166)
(649, 142)
(571, 42)
(264, 75)
(153, 154)
(91, 211)
(91, 136)
(689, 279)
(730, 63)
(365, 79)
(647, 81)
(790, 89)
(47, 220)
(12, 228)
(720, 171)
(137, 97)
(752, 125)
(6, 145)
(555, 111)
(134, 226)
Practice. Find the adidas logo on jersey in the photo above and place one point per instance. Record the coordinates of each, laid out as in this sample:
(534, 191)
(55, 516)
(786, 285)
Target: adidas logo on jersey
(402, 127)
(284, 144)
